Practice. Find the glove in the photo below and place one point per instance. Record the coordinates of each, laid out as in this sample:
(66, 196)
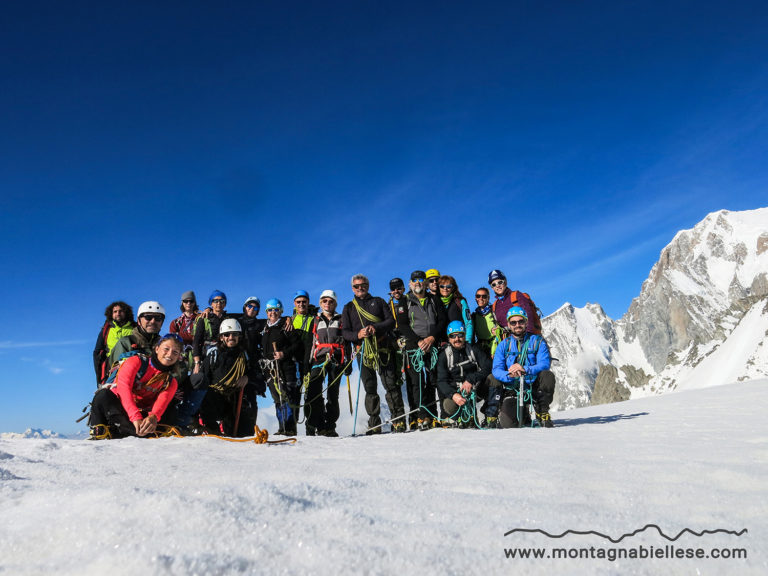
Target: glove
(348, 370)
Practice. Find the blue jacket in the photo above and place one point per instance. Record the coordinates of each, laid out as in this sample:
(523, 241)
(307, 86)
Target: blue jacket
(537, 357)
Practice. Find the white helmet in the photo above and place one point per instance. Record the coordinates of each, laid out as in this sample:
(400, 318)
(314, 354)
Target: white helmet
(229, 325)
(151, 307)
(252, 299)
(329, 294)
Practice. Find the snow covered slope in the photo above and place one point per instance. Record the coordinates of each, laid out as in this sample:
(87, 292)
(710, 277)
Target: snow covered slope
(701, 318)
(437, 502)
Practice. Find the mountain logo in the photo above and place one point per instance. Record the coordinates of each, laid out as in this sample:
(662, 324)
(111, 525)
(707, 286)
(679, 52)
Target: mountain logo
(630, 534)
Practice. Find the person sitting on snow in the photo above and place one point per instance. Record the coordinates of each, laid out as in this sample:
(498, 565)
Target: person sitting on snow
(138, 400)
(230, 383)
(525, 356)
(462, 370)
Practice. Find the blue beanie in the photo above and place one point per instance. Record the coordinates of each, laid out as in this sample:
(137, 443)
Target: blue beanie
(216, 294)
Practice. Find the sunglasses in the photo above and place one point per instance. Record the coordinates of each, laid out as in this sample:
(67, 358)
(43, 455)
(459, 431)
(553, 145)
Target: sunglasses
(252, 306)
(153, 317)
(432, 280)
(301, 302)
(322, 300)
(359, 286)
(231, 335)
(278, 310)
(174, 336)
(188, 301)
(218, 301)
(498, 283)
(455, 335)
(419, 280)
(446, 286)
(517, 322)
(481, 296)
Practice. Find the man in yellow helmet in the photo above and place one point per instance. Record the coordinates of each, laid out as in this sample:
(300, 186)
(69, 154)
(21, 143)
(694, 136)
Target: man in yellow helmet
(433, 275)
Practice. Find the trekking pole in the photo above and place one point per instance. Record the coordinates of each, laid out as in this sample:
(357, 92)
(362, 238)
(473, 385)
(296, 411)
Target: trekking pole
(349, 393)
(392, 419)
(520, 403)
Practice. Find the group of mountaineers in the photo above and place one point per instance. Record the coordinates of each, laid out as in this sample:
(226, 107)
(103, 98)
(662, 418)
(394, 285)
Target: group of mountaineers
(487, 369)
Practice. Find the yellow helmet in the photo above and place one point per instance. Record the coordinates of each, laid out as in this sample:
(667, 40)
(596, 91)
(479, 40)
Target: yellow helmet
(432, 273)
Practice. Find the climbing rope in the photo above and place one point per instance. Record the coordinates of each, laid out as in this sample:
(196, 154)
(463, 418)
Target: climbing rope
(227, 383)
(259, 436)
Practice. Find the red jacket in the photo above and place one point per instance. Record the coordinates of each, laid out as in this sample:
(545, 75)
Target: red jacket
(183, 326)
(152, 393)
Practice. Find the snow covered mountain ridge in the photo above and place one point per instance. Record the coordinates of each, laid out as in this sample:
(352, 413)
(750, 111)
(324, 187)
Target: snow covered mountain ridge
(701, 319)
(29, 433)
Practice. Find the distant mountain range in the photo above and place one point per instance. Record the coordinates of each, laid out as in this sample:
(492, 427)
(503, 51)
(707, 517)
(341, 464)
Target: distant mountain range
(30, 433)
(701, 319)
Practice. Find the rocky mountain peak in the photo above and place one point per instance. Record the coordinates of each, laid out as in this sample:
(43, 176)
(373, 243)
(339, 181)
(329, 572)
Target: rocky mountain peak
(709, 283)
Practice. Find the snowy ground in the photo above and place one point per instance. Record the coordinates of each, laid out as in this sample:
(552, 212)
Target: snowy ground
(437, 502)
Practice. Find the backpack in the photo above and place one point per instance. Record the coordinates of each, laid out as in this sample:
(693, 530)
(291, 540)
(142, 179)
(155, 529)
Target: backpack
(534, 339)
(329, 348)
(449, 356)
(111, 380)
(517, 298)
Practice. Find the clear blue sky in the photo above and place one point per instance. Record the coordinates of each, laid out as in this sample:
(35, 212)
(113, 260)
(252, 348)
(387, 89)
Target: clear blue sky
(260, 147)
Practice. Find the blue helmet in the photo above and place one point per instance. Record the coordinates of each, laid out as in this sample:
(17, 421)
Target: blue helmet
(300, 293)
(274, 304)
(455, 327)
(516, 311)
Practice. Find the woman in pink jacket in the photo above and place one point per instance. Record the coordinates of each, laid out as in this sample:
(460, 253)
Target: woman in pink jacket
(137, 400)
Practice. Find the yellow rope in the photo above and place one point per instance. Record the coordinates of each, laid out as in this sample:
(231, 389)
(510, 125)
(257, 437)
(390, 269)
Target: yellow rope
(259, 437)
(227, 383)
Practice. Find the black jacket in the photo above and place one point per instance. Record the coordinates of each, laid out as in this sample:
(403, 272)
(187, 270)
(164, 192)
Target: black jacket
(352, 322)
(448, 379)
(275, 337)
(218, 364)
(252, 329)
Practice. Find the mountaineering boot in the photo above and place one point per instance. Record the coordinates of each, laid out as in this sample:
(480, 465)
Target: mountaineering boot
(544, 420)
(413, 424)
(398, 426)
(492, 422)
(328, 432)
(311, 430)
(425, 424)
(193, 429)
(99, 432)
